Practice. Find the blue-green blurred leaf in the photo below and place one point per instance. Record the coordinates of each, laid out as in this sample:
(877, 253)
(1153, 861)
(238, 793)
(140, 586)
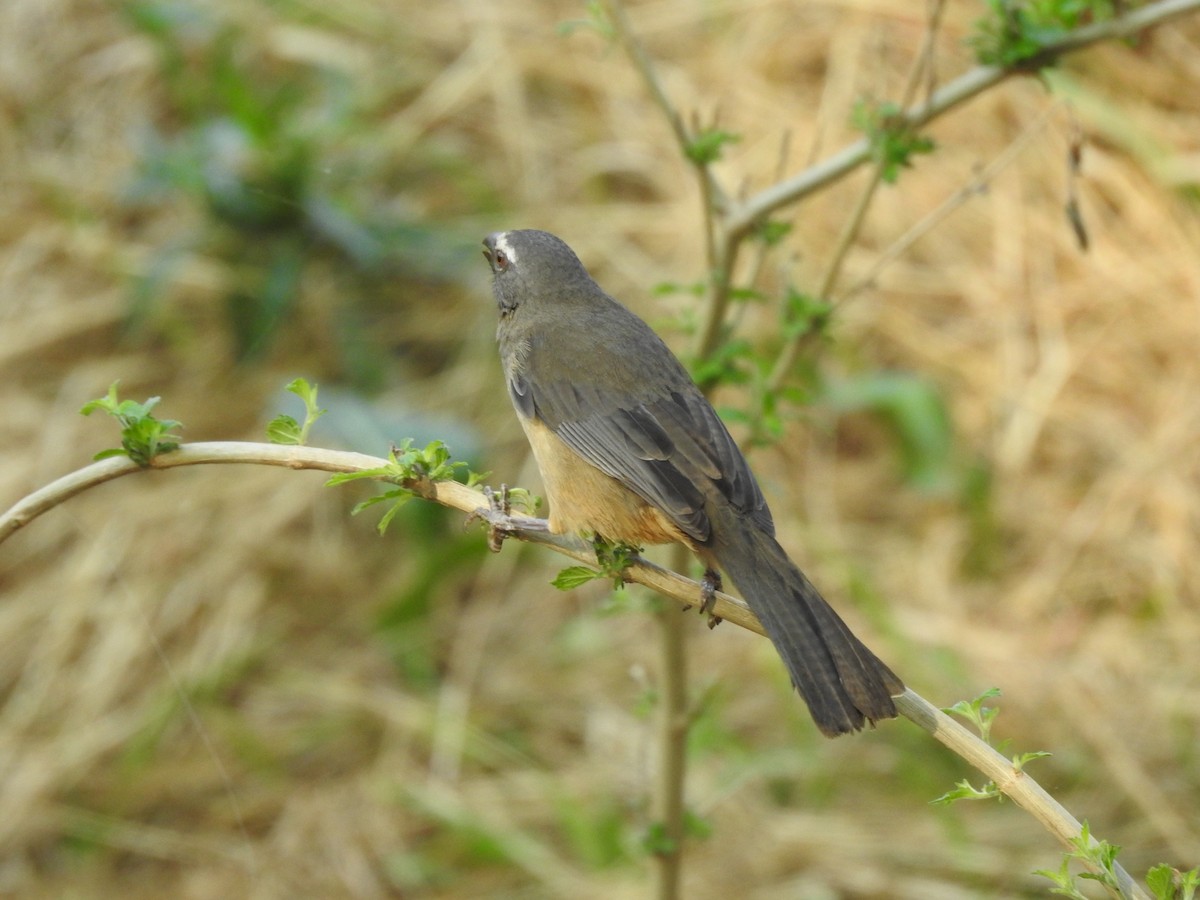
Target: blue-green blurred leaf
(915, 415)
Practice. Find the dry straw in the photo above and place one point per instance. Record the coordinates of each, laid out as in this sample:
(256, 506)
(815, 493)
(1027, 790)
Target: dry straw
(198, 697)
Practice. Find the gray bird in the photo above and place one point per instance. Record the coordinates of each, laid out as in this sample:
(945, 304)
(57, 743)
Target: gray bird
(629, 449)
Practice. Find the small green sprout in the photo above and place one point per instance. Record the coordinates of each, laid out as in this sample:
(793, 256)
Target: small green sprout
(964, 790)
(284, 429)
(976, 713)
(894, 142)
(143, 436)
(1099, 855)
(407, 465)
(612, 559)
(707, 145)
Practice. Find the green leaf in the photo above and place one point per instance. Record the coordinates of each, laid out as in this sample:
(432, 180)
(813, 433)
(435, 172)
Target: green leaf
(614, 557)
(143, 437)
(398, 497)
(696, 826)
(406, 466)
(707, 146)
(1014, 33)
(1161, 881)
(656, 840)
(519, 498)
(1063, 881)
(976, 713)
(386, 519)
(1022, 759)
(1097, 854)
(1168, 883)
(407, 463)
(744, 294)
(916, 416)
(1189, 884)
(398, 494)
(772, 231)
(1100, 853)
(695, 289)
(574, 576)
(894, 142)
(804, 314)
(283, 429)
(963, 790)
(597, 20)
(728, 364)
(107, 403)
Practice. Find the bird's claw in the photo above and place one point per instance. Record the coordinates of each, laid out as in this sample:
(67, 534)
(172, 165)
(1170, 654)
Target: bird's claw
(501, 523)
(498, 516)
(498, 501)
(709, 585)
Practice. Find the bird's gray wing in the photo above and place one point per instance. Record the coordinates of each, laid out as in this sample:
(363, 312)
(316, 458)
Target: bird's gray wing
(667, 445)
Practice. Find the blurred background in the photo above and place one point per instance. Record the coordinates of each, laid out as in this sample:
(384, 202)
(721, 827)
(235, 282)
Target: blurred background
(217, 683)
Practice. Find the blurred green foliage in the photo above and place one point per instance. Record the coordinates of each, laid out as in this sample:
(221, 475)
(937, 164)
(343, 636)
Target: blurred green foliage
(708, 144)
(442, 557)
(916, 417)
(595, 829)
(893, 141)
(279, 161)
(1015, 31)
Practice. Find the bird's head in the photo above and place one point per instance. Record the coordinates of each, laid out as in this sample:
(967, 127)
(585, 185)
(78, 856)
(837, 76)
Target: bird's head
(535, 267)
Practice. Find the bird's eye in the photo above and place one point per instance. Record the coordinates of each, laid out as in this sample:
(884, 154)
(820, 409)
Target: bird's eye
(500, 259)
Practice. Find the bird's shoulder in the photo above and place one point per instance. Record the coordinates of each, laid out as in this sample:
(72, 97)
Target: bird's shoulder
(607, 344)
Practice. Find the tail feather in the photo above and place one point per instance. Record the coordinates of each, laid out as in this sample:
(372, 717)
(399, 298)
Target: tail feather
(843, 683)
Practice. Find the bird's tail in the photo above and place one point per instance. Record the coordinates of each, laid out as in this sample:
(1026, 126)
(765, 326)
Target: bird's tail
(844, 684)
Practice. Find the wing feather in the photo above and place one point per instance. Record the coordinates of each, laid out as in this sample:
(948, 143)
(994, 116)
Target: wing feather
(669, 447)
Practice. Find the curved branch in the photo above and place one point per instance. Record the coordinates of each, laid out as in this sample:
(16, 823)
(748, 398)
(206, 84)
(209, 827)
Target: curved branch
(216, 452)
(1013, 782)
(742, 217)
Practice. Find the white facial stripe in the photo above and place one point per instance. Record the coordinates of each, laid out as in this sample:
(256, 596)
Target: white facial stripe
(505, 247)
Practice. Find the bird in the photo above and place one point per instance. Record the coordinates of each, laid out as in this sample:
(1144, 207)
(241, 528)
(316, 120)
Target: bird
(630, 450)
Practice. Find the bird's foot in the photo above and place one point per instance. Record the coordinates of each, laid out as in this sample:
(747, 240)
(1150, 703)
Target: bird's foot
(501, 523)
(709, 585)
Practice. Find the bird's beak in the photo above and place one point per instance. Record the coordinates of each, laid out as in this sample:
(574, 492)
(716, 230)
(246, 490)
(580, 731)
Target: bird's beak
(489, 250)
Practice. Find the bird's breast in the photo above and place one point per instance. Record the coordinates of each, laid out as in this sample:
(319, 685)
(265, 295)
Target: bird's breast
(585, 499)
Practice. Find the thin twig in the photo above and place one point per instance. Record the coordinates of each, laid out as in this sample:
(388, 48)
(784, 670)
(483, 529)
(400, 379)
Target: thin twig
(1013, 782)
(741, 218)
(719, 292)
(712, 194)
(615, 10)
(790, 352)
(976, 186)
(922, 71)
(720, 251)
(674, 722)
(673, 703)
(922, 64)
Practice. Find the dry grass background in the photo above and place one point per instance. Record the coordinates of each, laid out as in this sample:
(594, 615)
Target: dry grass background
(209, 684)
